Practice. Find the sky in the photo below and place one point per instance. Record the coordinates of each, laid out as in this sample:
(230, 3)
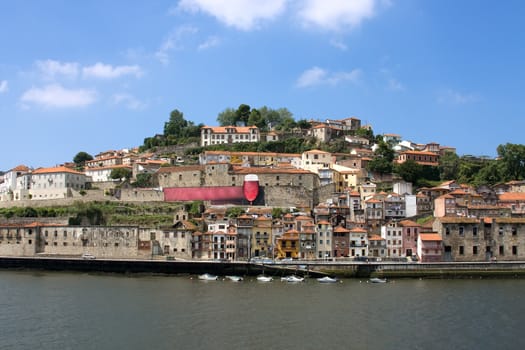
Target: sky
(102, 75)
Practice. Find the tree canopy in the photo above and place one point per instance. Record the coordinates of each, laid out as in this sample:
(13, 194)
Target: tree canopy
(81, 158)
(264, 118)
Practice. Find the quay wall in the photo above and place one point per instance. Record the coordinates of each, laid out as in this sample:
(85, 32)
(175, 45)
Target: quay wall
(341, 270)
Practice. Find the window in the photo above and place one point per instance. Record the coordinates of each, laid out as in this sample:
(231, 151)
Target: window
(501, 250)
(475, 250)
(461, 230)
(500, 230)
(475, 231)
(514, 250)
(461, 250)
(447, 230)
(514, 231)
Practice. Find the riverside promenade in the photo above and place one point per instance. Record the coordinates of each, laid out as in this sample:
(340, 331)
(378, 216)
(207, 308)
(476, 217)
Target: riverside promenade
(506, 269)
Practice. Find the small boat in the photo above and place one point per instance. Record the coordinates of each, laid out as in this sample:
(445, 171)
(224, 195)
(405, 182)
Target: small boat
(235, 278)
(263, 278)
(208, 277)
(327, 279)
(378, 280)
(292, 279)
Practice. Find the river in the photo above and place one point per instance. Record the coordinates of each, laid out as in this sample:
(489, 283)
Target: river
(51, 310)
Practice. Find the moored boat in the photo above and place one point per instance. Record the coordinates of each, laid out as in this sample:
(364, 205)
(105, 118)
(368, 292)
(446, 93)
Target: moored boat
(208, 277)
(327, 279)
(292, 278)
(235, 278)
(263, 278)
(378, 280)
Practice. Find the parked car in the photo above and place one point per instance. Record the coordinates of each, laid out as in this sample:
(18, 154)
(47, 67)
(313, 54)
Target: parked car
(88, 256)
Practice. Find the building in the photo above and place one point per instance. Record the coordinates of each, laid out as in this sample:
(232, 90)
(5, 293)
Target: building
(215, 135)
(420, 157)
(57, 182)
(429, 247)
(324, 239)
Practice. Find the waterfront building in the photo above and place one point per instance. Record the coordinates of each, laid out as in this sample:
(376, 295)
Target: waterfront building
(324, 239)
(410, 232)
(261, 242)
(358, 239)
(464, 239)
(429, 247)
(308, 241)
(340, 242)
(377, 246)
(288, 245)
(392, 233)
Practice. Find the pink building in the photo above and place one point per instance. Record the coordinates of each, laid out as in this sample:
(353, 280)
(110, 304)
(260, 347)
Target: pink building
(429, 247)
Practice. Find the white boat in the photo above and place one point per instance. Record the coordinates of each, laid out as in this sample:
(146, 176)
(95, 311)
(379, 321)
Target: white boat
(208, 277)
(378, 280)
(235, 278)
(327, 279)
(292, 278)
(263, 278)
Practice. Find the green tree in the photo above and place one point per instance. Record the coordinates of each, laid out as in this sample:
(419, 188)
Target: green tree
(410, 171)
(243, 113)
(383, 158)
(448, 166)
(512, 158)
(120, 173)
(81, 158)
(227, 117)
(257, 119)
(176, 124)
(143, 181)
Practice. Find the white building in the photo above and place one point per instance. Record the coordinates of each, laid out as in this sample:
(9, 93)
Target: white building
(15, 184)
(324, 239)
(215, 135)
(103, 174)
(57, 182)
(392, 233)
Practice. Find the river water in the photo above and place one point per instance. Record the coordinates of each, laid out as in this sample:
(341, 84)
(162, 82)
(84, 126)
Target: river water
(48, 310)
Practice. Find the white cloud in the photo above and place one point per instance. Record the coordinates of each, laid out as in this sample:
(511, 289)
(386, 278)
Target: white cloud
(240, 14)
(338, 44)
(212, 41)
(173, 42)
(56, 96)
(336, 15)
(128, 100)
(3, 86)
(52, 69)
(458, 98)
(318, 76)
(107, 71)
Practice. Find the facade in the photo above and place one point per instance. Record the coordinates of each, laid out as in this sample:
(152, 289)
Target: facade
(58, 182)
(392, 233)
(422, 158)
(324, 239)
(103, 174)
(358, 239)
(288, 245)
(16, 184)
(429, 247)
(340, 242)
(410, 232)
(215, 135)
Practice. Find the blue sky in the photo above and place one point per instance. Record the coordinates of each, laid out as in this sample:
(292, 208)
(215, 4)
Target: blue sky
(98, 75)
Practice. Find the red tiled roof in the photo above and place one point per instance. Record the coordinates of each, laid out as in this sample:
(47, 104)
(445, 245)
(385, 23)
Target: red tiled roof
(430, 237)
(512, 196)
(60, 169)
